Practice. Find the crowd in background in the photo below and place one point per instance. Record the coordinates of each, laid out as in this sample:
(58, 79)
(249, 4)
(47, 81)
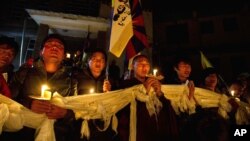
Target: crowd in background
(75, 77)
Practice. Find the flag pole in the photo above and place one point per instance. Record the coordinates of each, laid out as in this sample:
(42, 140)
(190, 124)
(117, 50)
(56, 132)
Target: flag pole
(108, 43)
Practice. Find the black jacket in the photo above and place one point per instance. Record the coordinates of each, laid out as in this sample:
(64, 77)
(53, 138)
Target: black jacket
(85, 82)
(28, 81)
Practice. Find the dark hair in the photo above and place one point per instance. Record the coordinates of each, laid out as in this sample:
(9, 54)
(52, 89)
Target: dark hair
(138, 57)
(206, 72)
(54, 36)
(91, 51)
(181, 58)
(10, 42)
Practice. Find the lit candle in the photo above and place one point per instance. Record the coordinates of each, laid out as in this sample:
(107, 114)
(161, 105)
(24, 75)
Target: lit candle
(44, 87)
(232, 92)
(47, 94)
(92, 90)
(67, 55)
(155, 72)
(237, 99)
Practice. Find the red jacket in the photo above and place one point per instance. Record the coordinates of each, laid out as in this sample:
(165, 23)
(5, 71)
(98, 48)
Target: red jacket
(4, 88)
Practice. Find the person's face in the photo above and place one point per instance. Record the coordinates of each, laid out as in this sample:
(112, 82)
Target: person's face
(183, 70)
(53, 51)
(141, 67)
(7, 55)
(97, 63)
(211, 80)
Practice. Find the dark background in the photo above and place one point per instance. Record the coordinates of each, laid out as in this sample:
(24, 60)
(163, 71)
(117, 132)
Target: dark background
(218, 28)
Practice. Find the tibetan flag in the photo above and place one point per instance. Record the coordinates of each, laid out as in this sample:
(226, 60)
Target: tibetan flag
(139, 40)
(121, 30)
(204, 61)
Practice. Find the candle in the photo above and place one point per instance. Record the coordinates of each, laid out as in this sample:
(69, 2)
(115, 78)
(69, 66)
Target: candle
(155, 72)
(68, 55)
(44, 87)
(47, 95)
(237, 99)
(92, 90)
(232, 93)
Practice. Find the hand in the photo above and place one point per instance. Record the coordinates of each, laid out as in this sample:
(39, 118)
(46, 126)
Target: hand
(56, 112)
(40, 106)
(152, 82)
(106, 86)
(191, 88)
(157, 88)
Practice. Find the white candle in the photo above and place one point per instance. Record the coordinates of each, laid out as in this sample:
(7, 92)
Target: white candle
(155, 72)
(232, 92)
(47, 95)
(92, 90)
(44, 87)
(67, 55)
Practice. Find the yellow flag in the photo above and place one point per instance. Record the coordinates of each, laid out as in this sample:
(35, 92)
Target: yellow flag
(121, 30)
(204, 61)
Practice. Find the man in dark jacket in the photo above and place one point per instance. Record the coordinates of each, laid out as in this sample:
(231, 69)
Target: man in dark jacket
(47, 70)
(8, 50)
(93, 79)
(160, 127)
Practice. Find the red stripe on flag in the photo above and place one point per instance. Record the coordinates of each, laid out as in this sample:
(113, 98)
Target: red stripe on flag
(139, 40)
(130, 51)
(138, 21)
(142, 38)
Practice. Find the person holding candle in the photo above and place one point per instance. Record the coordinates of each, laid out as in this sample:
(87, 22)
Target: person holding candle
(160, 126)
(50, 71)
(93, 79)
(93, 76)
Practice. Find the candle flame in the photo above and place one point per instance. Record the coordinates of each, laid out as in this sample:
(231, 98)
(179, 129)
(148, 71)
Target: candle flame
(155, 72)
(68, 55)
(232, 92)
(92, 90)
(44, 87)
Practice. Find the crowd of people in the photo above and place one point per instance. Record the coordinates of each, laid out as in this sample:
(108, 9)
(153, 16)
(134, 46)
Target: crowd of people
(49, 69)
